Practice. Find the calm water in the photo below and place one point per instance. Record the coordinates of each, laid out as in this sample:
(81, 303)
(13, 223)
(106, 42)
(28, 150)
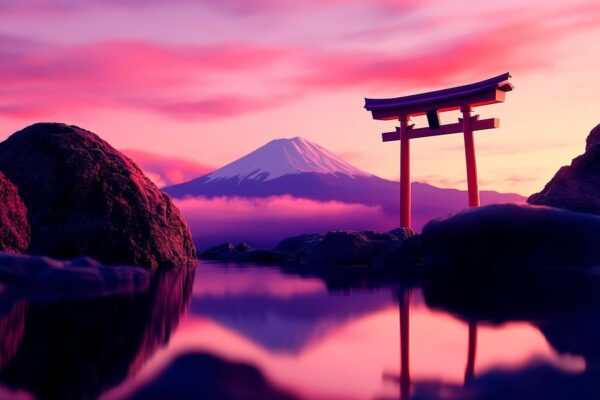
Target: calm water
(255, 332)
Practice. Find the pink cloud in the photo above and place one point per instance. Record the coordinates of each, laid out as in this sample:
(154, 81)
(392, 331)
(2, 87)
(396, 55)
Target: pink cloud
(38, 78)
(263, 222)
(468, 57)
(165, 171)
(236, 7)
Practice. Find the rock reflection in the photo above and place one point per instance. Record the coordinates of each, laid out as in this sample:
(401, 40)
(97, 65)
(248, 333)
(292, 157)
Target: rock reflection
(204, 376)
(563, 305)
(79, 349)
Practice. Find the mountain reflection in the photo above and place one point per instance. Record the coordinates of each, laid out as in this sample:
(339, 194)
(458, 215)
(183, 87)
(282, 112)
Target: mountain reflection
(78, 349)
(281, 314)
(204, 376)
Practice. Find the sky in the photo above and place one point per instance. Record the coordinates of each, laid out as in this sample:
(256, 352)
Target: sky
(209, 81)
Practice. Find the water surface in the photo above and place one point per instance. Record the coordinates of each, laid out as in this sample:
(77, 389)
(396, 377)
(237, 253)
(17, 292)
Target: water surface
(256, 332)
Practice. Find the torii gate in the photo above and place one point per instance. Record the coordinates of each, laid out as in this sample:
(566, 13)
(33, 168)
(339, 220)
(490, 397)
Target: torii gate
(465, 97)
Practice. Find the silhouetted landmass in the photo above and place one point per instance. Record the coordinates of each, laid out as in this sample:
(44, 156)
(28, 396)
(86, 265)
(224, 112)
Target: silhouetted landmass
(336, 248)
(511, 236)
(14, 230)
(576, 187)
(84, 198)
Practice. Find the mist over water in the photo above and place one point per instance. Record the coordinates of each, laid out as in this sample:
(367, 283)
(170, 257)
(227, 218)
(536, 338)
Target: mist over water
(264, 222)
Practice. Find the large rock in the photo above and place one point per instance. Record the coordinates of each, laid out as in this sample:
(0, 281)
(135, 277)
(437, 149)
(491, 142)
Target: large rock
(512, 237)
(85, 198)
(14, 230)
(576, 187)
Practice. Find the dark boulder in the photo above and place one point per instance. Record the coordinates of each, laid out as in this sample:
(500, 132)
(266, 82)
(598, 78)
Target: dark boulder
(14, 229)
(576, 187)
(85, 198)
(512, 237)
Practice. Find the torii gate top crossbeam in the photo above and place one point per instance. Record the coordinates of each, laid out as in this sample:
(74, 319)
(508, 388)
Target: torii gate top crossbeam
(489, 91)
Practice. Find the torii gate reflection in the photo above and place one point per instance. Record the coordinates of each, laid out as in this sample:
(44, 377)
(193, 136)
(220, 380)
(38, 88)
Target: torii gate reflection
(404, 378)
(463, 98)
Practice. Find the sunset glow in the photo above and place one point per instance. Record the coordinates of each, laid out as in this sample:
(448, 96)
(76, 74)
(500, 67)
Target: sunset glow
(206, 81)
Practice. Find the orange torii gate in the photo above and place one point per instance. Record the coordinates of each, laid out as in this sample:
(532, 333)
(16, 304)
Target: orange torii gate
(462, 98)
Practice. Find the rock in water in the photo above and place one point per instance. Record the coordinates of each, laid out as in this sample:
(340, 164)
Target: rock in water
(14, 230)
(512, 237)
(576, 187)
(84, 198)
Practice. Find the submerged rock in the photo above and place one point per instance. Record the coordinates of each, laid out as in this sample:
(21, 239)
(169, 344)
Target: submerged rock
(83, 197)
(511, 236)
(576, 187)
(14, 229)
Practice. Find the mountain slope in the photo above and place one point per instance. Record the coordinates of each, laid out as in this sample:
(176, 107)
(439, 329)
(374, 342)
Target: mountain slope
(282, 157)
(302, 169)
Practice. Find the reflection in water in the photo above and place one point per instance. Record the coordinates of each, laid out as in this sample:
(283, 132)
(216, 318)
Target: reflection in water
(78, 349)
(259, 333)
(404, 296)
(404, 301)
(204, 376)
(470, 370)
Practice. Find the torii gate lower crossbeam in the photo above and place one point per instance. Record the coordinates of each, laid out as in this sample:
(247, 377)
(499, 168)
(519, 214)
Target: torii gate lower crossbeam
(463, 98)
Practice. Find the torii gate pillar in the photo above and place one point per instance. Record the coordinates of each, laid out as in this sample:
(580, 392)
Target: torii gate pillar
(462, 98)
(473, 185)
(404, 173)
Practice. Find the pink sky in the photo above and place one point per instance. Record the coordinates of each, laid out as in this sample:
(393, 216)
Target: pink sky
(210, 81)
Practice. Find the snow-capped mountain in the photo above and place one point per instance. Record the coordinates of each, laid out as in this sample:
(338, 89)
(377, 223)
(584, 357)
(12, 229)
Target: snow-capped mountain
(302, 169)
(282, 157)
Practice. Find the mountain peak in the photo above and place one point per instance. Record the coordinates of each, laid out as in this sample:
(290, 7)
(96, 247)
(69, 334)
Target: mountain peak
(286, 156)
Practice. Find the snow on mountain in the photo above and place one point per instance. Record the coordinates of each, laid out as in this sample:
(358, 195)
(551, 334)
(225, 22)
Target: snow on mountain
(285, 156)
